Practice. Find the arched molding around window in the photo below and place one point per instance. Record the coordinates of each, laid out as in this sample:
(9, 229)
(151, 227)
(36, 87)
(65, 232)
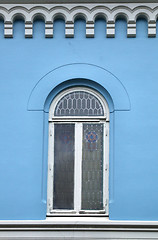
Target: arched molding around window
(18, 16)
(122, 16)
(79, 75)
(80, 15)
(69, 76)
(99, 15)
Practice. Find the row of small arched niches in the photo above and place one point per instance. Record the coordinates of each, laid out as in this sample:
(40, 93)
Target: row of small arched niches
(100, 26)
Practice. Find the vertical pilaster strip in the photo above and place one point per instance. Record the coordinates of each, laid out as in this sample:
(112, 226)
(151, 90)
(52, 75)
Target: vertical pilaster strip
(152, 28)
(110, 29)
(8, 29)
(131, 29)
(28, 30)
(48, 29)
(69, 29)
(90, 29)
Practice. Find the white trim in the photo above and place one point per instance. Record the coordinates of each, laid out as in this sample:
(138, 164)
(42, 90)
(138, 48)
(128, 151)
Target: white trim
(106, 167)
(50, 167)
(78, 154)
(80, 119)
(50, 9)
(74, 1)
(104, 221)
(78, 171)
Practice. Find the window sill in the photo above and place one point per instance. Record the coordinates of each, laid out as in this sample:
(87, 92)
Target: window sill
(94, 221)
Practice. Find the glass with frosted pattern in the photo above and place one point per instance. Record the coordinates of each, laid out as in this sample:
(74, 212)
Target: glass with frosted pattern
(92, 167)
(63, 197)
(79, 103)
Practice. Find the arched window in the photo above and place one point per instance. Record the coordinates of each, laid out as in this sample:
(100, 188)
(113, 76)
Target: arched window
(78, 153)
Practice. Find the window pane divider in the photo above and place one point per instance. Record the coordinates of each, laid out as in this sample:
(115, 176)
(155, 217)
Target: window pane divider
(78, 166)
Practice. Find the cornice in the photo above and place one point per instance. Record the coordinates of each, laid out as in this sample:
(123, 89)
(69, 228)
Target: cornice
(78, 228)
(73, 1)
(89, 11)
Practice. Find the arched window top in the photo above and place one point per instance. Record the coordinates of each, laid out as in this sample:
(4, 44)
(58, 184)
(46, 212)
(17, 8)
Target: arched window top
(79, 102)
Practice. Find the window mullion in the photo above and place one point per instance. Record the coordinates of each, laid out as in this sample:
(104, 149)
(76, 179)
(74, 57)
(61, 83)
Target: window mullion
(78, 166)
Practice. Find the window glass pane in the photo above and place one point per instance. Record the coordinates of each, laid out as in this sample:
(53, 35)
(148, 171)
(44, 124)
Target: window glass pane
(92, 167)
(63, 197)
(79, 103)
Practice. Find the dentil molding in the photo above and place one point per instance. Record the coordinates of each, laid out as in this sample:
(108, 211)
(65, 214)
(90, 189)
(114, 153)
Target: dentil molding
(89, 10)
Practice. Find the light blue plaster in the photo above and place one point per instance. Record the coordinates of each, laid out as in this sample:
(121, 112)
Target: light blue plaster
(121, 69)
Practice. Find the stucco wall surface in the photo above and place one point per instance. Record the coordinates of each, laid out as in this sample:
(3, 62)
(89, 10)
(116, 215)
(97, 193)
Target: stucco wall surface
(26, 67)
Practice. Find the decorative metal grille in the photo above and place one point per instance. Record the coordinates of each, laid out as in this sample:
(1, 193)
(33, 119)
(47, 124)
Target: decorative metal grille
(79, 103)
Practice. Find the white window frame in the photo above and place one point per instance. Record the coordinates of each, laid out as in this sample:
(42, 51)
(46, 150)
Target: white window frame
(78, 122)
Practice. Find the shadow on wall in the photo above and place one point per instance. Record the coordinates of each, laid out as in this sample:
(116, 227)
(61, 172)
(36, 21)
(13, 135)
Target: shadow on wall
(79, 28)
(38, 27)
(100, 28)
(141, 28)
(19, 28)
(120, 28)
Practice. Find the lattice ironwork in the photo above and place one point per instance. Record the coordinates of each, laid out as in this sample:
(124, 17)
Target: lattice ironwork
(79, 103)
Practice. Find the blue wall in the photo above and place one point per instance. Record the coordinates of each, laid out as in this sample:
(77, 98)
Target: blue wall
(23, 144)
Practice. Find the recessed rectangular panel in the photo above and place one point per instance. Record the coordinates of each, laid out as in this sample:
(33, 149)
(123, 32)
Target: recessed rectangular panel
(63, 197)
(92, 167)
